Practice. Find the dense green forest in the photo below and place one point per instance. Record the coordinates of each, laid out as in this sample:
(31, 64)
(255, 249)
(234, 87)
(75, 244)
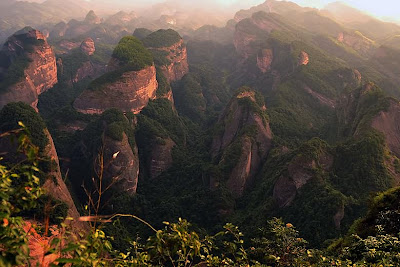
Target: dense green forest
(278, 147)
(373, 240)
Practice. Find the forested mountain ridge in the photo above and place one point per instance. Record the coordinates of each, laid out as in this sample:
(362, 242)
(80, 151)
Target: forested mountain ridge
(292, 114)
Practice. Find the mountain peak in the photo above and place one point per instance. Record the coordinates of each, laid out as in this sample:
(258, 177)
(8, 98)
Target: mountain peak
(92, 18)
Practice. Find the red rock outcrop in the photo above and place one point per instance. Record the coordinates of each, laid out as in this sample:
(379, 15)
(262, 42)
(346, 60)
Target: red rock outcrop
(300, 171)
(92, 18)
(130, 92)
(321, 98)
(68, 45)
(40, 245)
(304, 59)
(160, 158)
(177, 56)
(88, 47)
(388, 123)
(358, 42)
(256, 28)
(242, 41)
(254, 144)
(264, 60)
(56, 187)
(121, 164)
(88, 69)
(121, 18)
(41, 73)
(59, 30)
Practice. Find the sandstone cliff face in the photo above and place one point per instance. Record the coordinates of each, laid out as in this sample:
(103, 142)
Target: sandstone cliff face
(388, 123)
(57, 188)
(160, 157)
(131, 92)
(88, 69)
(41, 73)
(358, 42)
(321, 98)
(121, 18)
(264, 60)
(121, 164)
(300, 171)
(242, 41)
(92, 18)
(67, 45)
(88, 47)
(178, 65)
(250, 30)
(303, 59)
(54, 184)
(59, 30)
(254, 144)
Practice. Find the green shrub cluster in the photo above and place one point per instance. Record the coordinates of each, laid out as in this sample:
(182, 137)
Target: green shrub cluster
(162, 38)
(72, 61)
(130, 51)
(163, 85)
(13, 113)
(189, 98)
(15, 72)
(141, 33)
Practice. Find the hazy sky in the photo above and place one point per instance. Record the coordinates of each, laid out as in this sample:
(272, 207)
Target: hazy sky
(379, 8)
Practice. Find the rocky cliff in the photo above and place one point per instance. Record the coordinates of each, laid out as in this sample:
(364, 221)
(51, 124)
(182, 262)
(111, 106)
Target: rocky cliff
(121, 164)
(130, 92)
(304, 59)
(56, 187)
(28, 67)
(129, 85)
(366, 109)
(160, 157)
(88, 47)
(364, 46)
(300, 170)
(177, 65)
(88, 69)
(170, 53)
(51, 178)
(255, 29)
(264, 60)
(243, 142)
(92, 18)
(387, 122)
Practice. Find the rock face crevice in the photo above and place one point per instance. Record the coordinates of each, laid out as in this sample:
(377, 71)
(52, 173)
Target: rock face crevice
(88, 70)
(130, 93)
(264, 60)
(121, 164)
(178, 65)
(299, 172)
(57, 187)
(255, 29)
(160, 157)
(244, 126)
(41, 72)
(358, 42)
(388, 123)
(88, 47)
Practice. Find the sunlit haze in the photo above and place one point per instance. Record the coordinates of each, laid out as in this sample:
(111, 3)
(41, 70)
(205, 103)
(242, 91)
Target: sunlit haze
(384, 9)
